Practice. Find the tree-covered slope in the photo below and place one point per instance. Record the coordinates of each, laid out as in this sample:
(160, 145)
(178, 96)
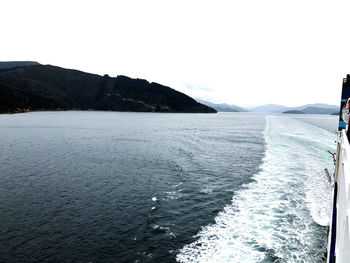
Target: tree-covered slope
(45, 87)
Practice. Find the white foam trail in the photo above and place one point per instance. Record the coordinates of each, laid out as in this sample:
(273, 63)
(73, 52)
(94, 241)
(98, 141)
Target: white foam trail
(273, 218)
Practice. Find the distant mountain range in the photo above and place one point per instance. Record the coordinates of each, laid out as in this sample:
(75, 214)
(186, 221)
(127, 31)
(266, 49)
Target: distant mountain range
(223, 107)
(270, 108)
(27, 86)
(317, 108)
(314, 110)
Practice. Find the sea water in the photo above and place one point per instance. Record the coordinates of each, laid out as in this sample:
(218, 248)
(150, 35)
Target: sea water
(147, 187)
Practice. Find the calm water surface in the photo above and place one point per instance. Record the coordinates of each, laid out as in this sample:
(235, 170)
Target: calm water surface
(147, 187)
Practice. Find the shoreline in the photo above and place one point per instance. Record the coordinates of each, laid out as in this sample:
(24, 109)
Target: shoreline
(20, 111)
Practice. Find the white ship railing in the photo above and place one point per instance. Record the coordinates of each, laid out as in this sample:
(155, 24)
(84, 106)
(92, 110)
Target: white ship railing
(339, 237)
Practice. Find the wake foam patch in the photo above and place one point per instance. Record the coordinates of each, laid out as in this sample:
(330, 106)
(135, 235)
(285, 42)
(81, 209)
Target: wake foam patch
(277, 217)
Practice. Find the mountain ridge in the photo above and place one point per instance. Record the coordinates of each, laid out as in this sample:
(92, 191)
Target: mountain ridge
(222, 107)
(47, 87)
(270, 108)
(316, 108)
(313, 110)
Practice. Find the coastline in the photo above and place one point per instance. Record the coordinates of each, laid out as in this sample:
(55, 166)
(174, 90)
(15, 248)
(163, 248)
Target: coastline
(20, 111)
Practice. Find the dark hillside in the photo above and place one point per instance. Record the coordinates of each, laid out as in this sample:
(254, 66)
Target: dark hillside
(13, 64)
(45, 87)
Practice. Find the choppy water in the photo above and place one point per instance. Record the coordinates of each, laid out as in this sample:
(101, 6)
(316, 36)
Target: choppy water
(143, 187)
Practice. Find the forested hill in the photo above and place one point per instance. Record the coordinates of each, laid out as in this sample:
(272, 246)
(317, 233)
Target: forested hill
(46, 87)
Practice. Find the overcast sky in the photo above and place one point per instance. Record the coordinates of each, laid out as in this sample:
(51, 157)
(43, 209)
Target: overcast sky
(247, 52)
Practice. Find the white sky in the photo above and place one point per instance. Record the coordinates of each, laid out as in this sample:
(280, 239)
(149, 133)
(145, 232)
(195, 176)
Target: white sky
(239, 52)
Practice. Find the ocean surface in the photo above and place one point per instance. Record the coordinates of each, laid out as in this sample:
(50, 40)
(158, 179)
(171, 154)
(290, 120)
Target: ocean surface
(148, 187)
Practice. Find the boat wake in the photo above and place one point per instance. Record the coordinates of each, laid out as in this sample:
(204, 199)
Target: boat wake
(279, 216)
